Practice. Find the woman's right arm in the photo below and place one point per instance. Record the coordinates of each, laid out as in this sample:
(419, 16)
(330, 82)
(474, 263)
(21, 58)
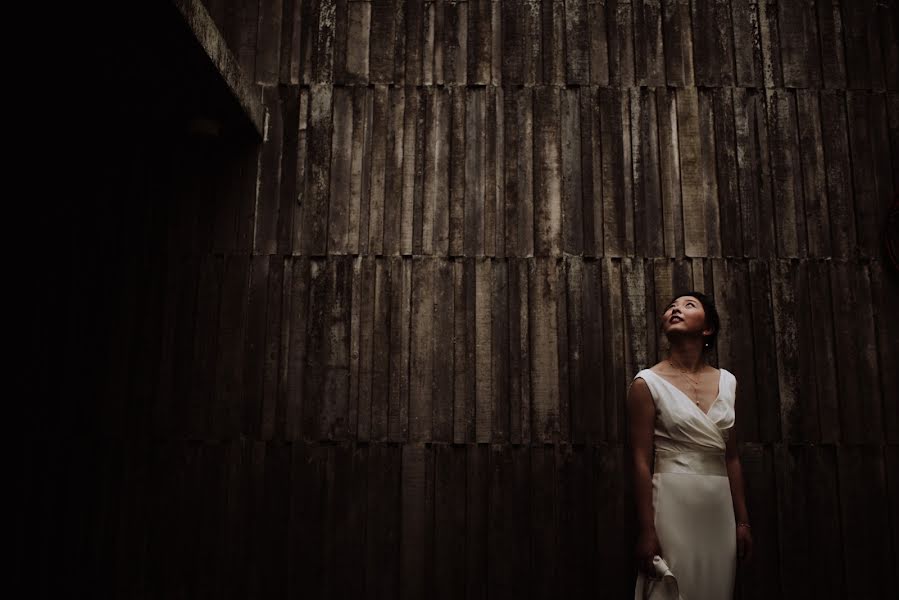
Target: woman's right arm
(641, 421)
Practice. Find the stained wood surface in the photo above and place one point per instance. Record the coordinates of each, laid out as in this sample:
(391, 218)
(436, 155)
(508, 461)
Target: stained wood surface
(386, 352)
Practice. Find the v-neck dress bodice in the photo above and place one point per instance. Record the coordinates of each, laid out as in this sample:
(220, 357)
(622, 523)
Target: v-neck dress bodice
(691, 497)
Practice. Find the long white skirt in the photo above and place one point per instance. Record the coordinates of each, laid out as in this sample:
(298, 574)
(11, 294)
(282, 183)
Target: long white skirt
(694, 519)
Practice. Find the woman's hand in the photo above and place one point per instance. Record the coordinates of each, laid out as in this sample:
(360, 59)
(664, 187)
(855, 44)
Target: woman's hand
(744, 543)
(647, 548)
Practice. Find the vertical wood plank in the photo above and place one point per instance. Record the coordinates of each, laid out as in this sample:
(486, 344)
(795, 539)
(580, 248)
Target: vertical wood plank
(811, 146)
(726, 174)
(824, 361)
(381, 351)
(316, 197)
(393, 176)
(547, 172)
(577, 45)
(753, 172)
(833, 54)
(649, 59)
(864, 49)
(422, 362)
(669, 173)
(362, 345)
(693, 184)
(770, 43)
(599, 43)
(435, 204)
(338, 225)
(786, 174)
(383, 37)
(552, 20)
(382, 532)
(761, 495)
(747, 43)
(360, 172)
(478, 503)
(414, 55)
(863, 504)
(617, 217)
(544, 554)
(572, 226)
(324, 45)
(543, 330)
(713, 36)
(450, 489)
(268, 42)
(621, 43)
(475, 175)
(412, 172)
(443, 358)
(265, 236)
(499, 351)
(416, 525)
(358, 30)
(764, 346)
(519, 353)
(613, 347)
(455, 53)
(483, 346)
(835, 140)
(678, 42)
(457, 171)
(400, 298)
(464, 351)
(799, 44)
(648, 198)
(857, 373)
(480, 41)
(518, 173)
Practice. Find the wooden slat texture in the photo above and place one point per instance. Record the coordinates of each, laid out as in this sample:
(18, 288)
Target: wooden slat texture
(544, 508)
(519, 353)
(713, 36)
(577, 42)
(871, 173)
(678, 42)
(617, 199)
(769, 41)
(450, 489)
(786, 174)
(747, 43)
(443, 358)
(572, 226)
(394, 210)
(552, 25)
(833, 55)
(463, 350)
(421, 363)
(864, 46)
(455, 43)
(885, 294)
(864, 514)
(547, 172)
(417, 525)
(669, 172)
(799, 51)
(694, 181)
(857, 370)
(315, 198)
(765, 352)
(834, 129)
(400, 297)
(358, 30)
(758, 472)
(265, 236)
(510, 513)
(649, 58)
(518, 173)
(811, 148)
(413, 172)
(479, 501)
(648, 200)
(473, 204)
(621, 43)
(480, 41)
(543, 279)
(599, 42)
(614, 377)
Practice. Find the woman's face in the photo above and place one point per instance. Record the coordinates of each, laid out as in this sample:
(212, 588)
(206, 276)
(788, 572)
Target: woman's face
(685, 316)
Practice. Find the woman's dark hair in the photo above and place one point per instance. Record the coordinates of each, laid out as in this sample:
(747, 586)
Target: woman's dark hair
(711, 316)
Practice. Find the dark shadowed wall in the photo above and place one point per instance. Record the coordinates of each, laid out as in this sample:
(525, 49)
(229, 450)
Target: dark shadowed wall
(385, 353)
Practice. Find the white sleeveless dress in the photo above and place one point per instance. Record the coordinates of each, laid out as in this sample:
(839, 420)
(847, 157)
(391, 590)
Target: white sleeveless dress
(694, 515)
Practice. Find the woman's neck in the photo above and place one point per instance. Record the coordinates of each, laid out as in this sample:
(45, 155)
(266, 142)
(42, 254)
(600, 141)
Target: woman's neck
(687, 355)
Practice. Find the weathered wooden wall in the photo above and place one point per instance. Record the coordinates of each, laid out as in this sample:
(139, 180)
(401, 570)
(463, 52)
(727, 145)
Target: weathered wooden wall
(393, 361)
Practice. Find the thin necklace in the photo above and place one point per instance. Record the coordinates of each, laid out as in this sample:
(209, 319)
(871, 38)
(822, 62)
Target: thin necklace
(694, 383)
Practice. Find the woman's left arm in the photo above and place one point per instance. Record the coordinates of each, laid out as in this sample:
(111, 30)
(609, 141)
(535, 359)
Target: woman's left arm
(735, 475)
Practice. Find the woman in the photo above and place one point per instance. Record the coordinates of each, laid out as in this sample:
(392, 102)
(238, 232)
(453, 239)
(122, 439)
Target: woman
(688, 481)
